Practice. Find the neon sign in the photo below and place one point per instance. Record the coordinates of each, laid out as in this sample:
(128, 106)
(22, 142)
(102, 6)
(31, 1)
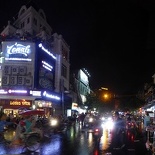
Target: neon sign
(18, 49)
(48, 52)
(18, 52)
(23, 103)
(47, 66)
(3, 91)
(51, 95)
(17, 91)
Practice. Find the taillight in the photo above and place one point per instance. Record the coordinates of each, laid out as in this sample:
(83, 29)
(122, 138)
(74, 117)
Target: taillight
(96, 130)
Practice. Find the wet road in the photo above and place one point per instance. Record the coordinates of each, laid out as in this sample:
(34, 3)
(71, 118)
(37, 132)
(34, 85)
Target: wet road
(74, 141)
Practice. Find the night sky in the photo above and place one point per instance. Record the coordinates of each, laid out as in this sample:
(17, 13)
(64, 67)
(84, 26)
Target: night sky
(113, 40)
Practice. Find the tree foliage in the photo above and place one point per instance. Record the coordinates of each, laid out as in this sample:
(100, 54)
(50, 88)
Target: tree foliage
(94, 101)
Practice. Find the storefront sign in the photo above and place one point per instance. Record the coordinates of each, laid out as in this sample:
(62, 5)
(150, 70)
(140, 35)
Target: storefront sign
(20, 103)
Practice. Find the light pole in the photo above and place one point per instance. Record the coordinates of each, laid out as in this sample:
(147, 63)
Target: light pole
(62, 102)
(63, 92)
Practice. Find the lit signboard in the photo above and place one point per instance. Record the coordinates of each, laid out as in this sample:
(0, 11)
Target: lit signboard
(17, 51)
(45, 67)
(52, 96)
(18, 64)
(83, 77)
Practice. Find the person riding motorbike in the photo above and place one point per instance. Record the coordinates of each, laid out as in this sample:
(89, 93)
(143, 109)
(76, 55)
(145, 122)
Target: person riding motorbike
(118, 137)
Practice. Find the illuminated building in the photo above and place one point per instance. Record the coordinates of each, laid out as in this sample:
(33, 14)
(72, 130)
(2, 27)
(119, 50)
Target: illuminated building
(33, 63)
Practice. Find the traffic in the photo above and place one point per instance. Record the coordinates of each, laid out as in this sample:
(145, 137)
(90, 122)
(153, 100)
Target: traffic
(123, 130)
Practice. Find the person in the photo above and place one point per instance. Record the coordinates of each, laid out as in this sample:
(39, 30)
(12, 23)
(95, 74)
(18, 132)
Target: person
(30, 125)
(3, 123)
(147, 120)
(20, 129)
(81, 118)
(118, 137)
(25, 126)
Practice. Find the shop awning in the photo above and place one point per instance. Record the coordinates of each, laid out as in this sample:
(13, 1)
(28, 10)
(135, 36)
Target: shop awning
(32, 112)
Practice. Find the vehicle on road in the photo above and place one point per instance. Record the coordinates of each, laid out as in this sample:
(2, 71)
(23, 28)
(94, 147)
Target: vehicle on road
(89, 121)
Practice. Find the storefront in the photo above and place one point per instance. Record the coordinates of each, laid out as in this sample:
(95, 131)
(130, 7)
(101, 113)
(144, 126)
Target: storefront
(12, 106)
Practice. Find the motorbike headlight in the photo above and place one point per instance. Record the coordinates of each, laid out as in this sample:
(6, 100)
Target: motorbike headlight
(103, 118)
(109, 124)
(90, 119)
(54, 122)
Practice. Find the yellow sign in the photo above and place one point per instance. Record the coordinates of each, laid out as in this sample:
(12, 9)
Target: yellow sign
(22, 103)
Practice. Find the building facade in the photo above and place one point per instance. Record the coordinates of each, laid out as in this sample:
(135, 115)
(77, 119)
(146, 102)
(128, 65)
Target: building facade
(34, 64)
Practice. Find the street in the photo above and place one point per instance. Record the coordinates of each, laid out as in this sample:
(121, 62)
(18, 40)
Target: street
(76, 141)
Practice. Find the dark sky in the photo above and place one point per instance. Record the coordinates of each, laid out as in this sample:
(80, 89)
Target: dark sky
(113, 40)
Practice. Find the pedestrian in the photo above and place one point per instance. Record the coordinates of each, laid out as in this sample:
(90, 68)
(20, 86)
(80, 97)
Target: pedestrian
(3, 124)
(147, 120)
(81, 118)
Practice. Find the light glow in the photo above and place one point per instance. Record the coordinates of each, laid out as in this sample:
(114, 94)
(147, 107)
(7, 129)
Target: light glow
(47, 66)
(35, 93)
(3, 91)
(51, 95)
(18, 59)
(17, 91)
(48, 52)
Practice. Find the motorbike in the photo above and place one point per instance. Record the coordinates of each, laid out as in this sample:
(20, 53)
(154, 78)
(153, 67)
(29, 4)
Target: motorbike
(130, 125)
(57, 125)
(97, 132)
(89, 122)
(131, 128)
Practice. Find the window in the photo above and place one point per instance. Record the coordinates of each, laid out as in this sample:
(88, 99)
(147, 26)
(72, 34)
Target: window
(28, 20)
(64, 53)
(64, 71)
(22, 24)
(35, 21)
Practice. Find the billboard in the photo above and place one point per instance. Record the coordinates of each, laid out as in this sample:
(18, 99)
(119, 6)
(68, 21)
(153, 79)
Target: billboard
(45, 68)
(83, 77)
(18, 51)
(17, 67)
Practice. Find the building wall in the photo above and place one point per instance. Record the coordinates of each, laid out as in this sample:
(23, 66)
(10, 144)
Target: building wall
(34, 22)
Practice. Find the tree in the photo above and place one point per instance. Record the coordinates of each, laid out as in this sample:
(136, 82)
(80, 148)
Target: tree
(94, 100)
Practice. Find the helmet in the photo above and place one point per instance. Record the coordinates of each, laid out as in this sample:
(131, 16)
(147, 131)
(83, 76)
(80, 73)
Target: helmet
(116, 113)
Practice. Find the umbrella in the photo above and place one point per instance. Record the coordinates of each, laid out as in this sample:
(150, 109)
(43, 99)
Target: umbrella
(32, 112)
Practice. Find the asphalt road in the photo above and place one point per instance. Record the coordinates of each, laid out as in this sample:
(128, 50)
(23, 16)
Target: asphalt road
(79, 141)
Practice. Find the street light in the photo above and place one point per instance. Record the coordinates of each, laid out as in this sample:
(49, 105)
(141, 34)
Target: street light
(105, 96)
